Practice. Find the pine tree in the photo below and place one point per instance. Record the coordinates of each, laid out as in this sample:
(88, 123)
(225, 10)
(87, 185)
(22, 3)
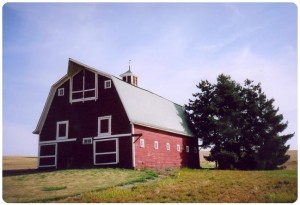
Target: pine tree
(240, 125)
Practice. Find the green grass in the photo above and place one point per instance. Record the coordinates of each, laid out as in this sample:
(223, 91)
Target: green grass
(54, 185)
(205, 186)
(182, 185)
(53, 188)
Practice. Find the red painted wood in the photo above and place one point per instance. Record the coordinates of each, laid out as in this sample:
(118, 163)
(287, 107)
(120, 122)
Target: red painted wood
(149, 157)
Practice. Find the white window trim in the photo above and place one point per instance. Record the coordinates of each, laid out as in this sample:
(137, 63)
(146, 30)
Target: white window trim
(142, 143)
(61, 91)
(109, 126)
(83, 90)
(187, 148)
(107, 81)
(178, 147)
(155, 144)
(56, 141)
(168, 146)
(57, 130)
(48, 156)
(104, 153)
(87, 138)
(113, 136)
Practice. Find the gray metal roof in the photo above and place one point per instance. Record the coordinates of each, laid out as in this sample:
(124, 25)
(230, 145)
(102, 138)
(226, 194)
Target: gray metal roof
(148, 109)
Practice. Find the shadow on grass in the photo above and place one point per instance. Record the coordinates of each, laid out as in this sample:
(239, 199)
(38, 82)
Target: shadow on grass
(25, 172)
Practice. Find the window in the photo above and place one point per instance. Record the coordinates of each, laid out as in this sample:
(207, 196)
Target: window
(155, 144)
(83, 86)
(61, 92)
(62, 130)
(107, 84)
(142, 143)
(104, 125)
(195, 150)
(135, 80)
(178, 148)
(187, 148)
(87, 141)
(128, 79)
(168, 146)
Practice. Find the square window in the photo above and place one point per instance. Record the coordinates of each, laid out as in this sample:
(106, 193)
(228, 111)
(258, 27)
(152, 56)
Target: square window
(62, 129)
(187, 148)
(178, 148)
(104, 125)
(142, 143)
(87, 141)
(61, 92)
(155, 144)
(107, 84)
(168, 146)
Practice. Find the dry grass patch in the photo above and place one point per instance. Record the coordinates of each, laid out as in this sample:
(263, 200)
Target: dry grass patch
(206, 186)
(44, 186)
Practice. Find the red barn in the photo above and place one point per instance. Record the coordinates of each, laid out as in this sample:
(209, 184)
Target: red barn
(94, 119)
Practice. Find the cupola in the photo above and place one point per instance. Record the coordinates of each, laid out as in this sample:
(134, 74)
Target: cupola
(129, 77)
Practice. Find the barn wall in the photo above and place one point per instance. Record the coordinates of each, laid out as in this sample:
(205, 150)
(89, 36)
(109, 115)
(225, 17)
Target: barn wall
(83, 116)
(149, 157)
(83, 123)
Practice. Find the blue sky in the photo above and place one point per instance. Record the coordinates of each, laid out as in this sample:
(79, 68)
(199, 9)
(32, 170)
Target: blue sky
(172, 47)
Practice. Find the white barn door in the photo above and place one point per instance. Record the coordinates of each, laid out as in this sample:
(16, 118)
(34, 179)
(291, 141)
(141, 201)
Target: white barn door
(106, 151)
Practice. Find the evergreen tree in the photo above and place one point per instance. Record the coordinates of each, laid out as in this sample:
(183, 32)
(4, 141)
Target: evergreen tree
(239, 124)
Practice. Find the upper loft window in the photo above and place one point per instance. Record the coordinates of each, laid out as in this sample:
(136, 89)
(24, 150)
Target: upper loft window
(61, 92)
(83, 86)
(107, 84)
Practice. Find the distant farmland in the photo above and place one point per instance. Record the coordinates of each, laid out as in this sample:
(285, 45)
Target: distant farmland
(20, 162)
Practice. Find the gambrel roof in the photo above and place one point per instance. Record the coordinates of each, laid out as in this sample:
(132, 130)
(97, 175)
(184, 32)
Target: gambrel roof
(142, 106)
(148, 109)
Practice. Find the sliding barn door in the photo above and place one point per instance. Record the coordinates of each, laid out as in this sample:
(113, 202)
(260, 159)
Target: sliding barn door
(106, 151)
(48, 155)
